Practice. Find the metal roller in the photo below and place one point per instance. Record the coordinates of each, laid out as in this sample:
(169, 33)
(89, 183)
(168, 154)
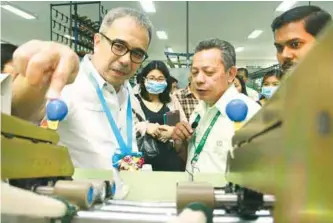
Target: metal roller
(78, 193)
(189, 192)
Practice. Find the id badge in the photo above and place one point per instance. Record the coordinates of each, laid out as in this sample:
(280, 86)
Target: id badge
(195, 168)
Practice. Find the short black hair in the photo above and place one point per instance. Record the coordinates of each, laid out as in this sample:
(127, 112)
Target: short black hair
(228, 54)
(156, 65)
(315, 19)
(7, 51)
(242, 83)
(274, 72)
(246, 72)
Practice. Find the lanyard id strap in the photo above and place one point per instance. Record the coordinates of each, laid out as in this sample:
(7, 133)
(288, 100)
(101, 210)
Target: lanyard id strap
(203, 140)
(125, 149)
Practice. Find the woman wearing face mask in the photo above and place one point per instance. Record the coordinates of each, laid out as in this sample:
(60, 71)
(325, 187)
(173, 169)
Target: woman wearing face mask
(270, 84)
(155, 100)
(240, 85)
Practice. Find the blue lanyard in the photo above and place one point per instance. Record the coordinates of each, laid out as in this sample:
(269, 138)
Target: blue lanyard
(129, 119)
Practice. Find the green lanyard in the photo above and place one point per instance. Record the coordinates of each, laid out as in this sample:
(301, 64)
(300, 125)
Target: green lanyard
(203, 140)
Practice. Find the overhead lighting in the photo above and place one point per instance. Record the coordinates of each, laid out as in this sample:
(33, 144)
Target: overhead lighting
(69, 37)
(148, 6)
(239, 49)
(161, 35)
(174, 59)
(17, 11)
(255, 34)
(285, 5)
(169, 50)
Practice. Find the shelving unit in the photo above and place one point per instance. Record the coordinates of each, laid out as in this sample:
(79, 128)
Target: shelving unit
(179, 59)
(255, 78)
(69, 26)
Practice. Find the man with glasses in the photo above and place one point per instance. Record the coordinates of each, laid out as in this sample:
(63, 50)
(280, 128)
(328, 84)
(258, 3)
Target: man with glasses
(100, 92)
(119, 48)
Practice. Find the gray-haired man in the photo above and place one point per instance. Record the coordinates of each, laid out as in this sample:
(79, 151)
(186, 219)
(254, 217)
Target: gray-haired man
(213, 71)
(101, 84)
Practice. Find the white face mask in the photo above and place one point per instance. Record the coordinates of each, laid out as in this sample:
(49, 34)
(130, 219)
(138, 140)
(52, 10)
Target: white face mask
(268, 91)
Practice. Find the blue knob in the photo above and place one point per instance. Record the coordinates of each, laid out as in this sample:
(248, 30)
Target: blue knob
(56, 110)
(90, 195)
(237, 110)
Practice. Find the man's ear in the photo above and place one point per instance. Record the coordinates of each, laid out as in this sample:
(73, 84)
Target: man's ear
(232, 74)
(97, 41)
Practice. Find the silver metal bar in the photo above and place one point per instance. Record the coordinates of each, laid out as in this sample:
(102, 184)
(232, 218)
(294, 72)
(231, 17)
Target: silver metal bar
(221, 199)
(115, 217)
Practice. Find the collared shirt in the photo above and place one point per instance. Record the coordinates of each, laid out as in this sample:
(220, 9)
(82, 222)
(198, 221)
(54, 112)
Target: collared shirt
(86, 131)
(213, 157)
(187, 100)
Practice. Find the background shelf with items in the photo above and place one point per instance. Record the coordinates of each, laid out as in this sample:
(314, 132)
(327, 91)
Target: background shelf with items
(179, 59)
(255, 78)
(75, 24)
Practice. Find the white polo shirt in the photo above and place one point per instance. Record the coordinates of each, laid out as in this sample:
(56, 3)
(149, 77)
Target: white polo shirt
(86, 131)
(213, 157)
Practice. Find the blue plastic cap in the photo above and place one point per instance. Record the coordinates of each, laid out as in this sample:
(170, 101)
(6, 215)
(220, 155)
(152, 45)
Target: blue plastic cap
(90, 195)
(237, 110)
(113, 189)
(56, 110)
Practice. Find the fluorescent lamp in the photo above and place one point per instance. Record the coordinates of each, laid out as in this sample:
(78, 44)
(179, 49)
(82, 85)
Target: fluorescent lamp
(18, 12)
(161, 35)
(69, 37)
(148, 6)
(239, 49)
(174, 59)
(169, 50)
(255, 34)
(285, 5)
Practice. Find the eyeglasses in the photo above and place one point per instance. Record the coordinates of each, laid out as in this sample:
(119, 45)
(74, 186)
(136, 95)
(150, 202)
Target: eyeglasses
(120, 49)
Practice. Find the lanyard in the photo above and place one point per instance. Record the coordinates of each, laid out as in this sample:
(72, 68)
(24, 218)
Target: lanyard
(203, 140)
(125, 149)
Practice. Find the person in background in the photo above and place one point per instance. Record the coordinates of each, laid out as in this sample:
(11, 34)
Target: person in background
(187, 98)
(244, 73)
(174, 82)
(295, 32)
(155, 100)
(240, 85)
(136, 88)
(270, 84)
(213, 72)
(7, 66)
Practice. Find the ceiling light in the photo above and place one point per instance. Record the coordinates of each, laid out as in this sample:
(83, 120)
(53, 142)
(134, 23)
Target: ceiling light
(255, 34)
(174, 59)
(148, 6)
(69, 37)
(239, 49)
(161, 35)
(285, 5)
(17, 11)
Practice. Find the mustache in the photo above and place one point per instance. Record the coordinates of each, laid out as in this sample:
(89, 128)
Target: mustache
(287, 65)
(121, 68)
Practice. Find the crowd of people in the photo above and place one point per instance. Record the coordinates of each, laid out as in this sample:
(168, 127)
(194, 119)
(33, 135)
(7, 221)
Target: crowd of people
(44, 70)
